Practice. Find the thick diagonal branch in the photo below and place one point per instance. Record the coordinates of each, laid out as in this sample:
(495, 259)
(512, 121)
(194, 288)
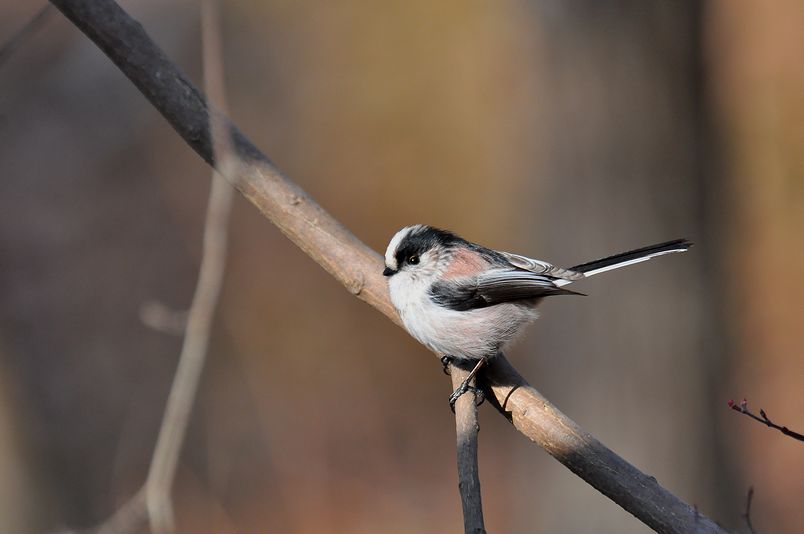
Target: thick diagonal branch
(358, 267)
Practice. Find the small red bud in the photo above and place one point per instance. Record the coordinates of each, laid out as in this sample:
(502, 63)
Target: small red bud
(731, 403)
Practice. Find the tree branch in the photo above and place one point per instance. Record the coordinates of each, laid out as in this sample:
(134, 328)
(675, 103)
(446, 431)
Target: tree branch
(747, 515)
(468, 477)
(153, 502)
(584, 455)
(26, 32)
(358, 267)
(763, 418)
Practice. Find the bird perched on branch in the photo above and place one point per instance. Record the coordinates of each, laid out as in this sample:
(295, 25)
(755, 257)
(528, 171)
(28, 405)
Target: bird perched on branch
(468, 302)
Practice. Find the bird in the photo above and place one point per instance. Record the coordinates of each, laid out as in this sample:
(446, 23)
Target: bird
(468, 302)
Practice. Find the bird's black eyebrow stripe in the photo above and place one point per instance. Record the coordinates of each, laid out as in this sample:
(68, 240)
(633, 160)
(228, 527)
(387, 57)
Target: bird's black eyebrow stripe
(421, 240)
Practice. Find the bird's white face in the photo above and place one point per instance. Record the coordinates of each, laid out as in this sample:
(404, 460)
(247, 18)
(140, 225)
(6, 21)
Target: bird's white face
(411, 255)
(413, 261)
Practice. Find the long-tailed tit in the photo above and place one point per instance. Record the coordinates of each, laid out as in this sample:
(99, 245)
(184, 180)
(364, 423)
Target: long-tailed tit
(469, 302)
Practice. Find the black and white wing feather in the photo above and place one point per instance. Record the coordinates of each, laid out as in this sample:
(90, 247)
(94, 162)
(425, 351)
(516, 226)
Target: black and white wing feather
(494, 287)
(528, 278)
(632, 256)
(541, 267)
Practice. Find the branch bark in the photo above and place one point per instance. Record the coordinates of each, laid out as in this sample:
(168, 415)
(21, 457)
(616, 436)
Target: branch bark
(466, 429)
(358, 267)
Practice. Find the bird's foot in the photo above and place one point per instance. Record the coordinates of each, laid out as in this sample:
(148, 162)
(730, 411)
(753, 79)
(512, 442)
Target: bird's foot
(463, 388)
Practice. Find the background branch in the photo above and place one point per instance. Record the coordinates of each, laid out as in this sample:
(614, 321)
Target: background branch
(26, 32)
(747, 515)
(742, 407)
(202, 310)
(358, 268)
(153, 502)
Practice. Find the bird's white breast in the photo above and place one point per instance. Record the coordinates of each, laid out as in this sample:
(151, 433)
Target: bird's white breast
(471, 334)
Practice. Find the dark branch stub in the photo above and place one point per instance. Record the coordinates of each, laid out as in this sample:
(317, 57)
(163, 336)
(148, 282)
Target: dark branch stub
(467, 428)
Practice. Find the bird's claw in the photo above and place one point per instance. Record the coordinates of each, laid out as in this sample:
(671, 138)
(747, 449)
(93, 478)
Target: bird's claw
(463, 388)
(445, 361)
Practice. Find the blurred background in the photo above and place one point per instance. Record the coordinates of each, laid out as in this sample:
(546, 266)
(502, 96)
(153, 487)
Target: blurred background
(562, 130)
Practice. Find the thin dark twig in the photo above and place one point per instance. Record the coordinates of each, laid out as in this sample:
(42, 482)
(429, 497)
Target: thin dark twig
(747, 515)
(19, 38)
(742, 407)
(466, 428)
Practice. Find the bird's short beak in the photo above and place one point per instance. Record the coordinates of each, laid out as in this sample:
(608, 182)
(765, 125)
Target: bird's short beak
(388, 272)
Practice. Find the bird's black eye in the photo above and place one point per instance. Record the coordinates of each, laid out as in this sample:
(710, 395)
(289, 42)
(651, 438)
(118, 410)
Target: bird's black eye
(413, 260)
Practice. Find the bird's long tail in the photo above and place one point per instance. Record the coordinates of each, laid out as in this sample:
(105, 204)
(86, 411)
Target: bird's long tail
(631, 257)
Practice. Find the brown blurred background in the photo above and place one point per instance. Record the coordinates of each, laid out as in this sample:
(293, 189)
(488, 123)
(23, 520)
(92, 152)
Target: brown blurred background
(564, 130)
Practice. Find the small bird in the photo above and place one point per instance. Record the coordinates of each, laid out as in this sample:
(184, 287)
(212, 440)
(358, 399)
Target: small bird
(468, 302)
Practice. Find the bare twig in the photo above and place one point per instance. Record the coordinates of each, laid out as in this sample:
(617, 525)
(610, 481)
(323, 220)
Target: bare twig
(156, 315)
(747, 515)
(191, 362)
(742, 407)
(130, 517)
(18, 39)
(199, 323)
(359, 268)
(153, 503)
(468, 478)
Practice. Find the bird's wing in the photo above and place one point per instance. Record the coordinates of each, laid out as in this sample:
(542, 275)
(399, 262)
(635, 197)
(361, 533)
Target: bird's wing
(541, 267)
(494, 287)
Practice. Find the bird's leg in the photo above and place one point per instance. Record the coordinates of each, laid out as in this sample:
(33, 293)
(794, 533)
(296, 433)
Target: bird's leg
(445, 361)
(464, 387)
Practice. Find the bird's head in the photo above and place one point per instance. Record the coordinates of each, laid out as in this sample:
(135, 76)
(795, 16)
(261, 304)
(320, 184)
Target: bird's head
(418, 250)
